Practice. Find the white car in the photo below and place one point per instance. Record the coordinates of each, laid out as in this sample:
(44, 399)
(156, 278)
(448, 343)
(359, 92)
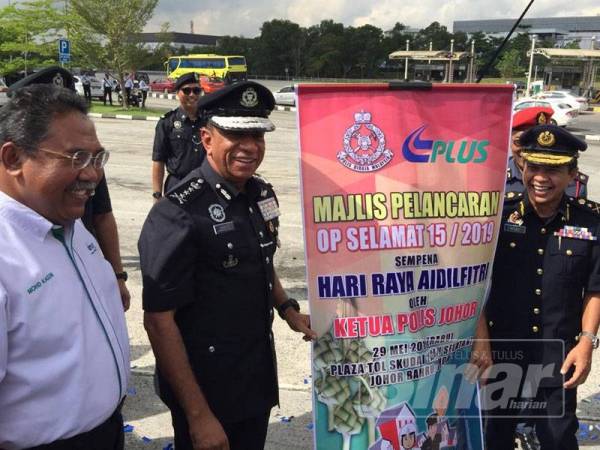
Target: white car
(566, 97)
(563, 113)
(96, 87)
(285, 96)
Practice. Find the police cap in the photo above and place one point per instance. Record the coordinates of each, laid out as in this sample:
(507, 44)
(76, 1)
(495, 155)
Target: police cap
(187, 78)
(530, 117)
(550, 145)
(50, 75)
(241, 106)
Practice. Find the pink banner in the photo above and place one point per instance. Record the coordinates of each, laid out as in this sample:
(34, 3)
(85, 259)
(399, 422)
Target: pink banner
(402, 196)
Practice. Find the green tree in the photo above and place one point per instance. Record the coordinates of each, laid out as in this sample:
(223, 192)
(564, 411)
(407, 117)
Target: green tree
(29, 33)
(509, 64)
(281, 45)
(115, 25)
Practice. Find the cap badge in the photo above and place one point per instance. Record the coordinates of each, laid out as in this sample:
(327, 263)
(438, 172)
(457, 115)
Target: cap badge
(546, 139)
(249, 98)
(542, 119)
(58, 80)
(216, 212)
(177, 124)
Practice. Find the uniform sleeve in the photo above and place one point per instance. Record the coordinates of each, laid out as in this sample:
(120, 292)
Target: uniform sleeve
(3, 333)
(161, 146)
(593, 283)
(101, 199)
(168, 252)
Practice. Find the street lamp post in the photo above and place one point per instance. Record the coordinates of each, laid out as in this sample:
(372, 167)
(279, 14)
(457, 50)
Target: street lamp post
(406, 61)
(450, 69)
(530, 64)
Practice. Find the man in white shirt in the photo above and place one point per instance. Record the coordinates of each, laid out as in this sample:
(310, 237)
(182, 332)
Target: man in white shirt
(64, 352)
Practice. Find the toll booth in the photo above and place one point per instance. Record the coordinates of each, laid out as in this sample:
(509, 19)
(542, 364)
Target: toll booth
(573, 69)
(436, 65)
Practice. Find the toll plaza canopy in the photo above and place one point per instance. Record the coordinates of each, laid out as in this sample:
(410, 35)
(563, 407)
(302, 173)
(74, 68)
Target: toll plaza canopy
(426, 55)
(566, 53)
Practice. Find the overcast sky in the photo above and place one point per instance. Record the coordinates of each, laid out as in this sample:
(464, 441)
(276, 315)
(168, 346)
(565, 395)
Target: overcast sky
(244, 17)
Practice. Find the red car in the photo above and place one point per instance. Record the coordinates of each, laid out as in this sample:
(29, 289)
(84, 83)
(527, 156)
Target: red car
(165, 86)
(210, 84)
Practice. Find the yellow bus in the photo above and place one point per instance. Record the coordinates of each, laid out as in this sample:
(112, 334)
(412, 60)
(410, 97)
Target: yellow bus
(229, 68)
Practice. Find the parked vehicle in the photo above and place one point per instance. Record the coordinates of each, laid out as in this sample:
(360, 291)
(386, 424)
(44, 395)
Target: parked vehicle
(210, 84)
(96, 87)
(566, 97)
(563, 113)
(285, 96)
(163, 85)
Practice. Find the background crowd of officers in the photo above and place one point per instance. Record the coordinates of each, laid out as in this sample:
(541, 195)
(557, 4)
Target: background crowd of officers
(209, 241)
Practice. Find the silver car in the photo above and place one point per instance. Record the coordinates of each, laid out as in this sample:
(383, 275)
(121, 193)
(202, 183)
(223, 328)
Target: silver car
(285, 96)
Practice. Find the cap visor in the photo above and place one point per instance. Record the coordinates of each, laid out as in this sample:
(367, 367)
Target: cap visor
(242, 123)
(547, 159)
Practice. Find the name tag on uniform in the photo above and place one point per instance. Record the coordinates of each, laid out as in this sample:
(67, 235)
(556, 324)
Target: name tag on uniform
(269, 209)
(512, 228)
(225, 227)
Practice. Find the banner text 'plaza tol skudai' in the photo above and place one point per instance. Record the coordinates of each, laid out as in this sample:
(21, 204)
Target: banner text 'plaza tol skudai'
(402, 199)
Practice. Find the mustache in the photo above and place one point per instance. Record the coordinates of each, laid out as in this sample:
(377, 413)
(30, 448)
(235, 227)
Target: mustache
(82, 186)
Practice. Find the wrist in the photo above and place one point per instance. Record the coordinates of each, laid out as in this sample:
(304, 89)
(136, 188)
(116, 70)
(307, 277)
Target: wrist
(121, 275)
(290, 303)
(157, 194)
(588, 338)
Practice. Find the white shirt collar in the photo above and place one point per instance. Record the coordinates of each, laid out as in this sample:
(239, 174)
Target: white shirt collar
(25, 217)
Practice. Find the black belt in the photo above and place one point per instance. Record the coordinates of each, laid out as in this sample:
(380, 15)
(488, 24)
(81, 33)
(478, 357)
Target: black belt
(110, 428)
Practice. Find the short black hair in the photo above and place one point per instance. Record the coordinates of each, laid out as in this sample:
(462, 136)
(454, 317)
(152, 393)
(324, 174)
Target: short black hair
(26, 118)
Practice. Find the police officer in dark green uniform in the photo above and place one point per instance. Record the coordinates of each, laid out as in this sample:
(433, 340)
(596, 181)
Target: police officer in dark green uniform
(545, 295)
(177, 139)
(210, 287)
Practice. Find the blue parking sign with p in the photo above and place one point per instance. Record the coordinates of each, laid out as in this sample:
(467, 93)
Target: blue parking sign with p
(64, 50)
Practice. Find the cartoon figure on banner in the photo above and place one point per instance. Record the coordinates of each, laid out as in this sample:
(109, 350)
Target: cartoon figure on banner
(398, 429)
(439, 433)
(364, 145)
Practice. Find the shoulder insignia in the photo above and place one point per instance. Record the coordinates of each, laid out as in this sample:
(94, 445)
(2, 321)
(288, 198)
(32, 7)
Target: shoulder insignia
(582, 178)
(186, 192)
(586, 205)
(513, 196)
(260, 179)
(168, 113)
(508, 173)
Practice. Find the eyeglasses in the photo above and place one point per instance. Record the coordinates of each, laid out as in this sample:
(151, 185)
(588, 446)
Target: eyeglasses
(188, 90)
(81, 159)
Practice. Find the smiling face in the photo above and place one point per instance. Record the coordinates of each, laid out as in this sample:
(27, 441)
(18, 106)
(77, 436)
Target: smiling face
(515, 147)
(546, 185)
(189, 102)
(47, 183)
(234, 155)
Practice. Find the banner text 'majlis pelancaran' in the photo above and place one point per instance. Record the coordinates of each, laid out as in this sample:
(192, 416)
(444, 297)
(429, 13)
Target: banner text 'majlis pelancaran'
(406, 205)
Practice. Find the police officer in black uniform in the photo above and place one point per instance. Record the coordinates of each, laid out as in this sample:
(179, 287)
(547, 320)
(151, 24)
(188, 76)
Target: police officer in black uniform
(177, 140)
(545, 286)
(210, 286)
(521, 122)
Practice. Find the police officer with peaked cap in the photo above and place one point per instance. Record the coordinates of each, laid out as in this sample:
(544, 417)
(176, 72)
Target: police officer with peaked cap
(177, 145)
(210, 285)
(521, 122)
(551, 305)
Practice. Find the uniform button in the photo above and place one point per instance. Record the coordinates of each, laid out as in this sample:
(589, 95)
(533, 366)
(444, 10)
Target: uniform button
(569, 252)
(250, 209)
(267, 260)
(536, 311)
(211, 349)
(540, 271)
(229, 245)
(543, 231)
(540, 251)
(261, 234)
(270, 286)
(512, 245)
(218, 185)
(535, 329)
(491, 323)
(538, 292)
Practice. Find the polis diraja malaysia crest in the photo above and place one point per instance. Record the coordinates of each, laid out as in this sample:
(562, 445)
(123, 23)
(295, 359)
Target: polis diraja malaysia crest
(364, 145)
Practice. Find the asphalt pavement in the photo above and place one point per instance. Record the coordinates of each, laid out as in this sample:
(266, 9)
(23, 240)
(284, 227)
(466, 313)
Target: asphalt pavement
(128, 174)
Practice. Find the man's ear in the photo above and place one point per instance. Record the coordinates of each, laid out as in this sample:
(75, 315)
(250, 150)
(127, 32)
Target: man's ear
(206, 139)
(12, 157)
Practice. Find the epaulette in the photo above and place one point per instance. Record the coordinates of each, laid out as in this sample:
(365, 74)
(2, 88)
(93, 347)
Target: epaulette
(186, 192)
(512, 196)
(260, 179)
(582, 178)
(508, 173)
(168, 113)
(585, 204)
